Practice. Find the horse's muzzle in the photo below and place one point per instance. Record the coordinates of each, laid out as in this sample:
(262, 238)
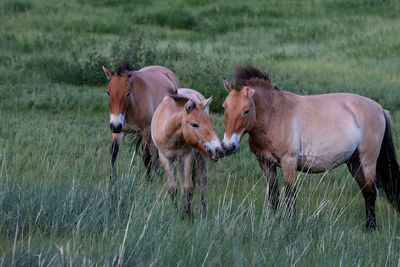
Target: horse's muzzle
(116, 128)
(229, 149)
(215, 155)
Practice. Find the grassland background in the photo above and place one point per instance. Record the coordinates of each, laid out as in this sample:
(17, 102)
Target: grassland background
(57, 206)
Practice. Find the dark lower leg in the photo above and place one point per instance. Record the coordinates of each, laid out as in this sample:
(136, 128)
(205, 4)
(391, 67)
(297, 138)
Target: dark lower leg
(187, 203)
(147, 164)
(370, 197)
(113, 153)
(173, 192)
(290, 198)
(273, 196)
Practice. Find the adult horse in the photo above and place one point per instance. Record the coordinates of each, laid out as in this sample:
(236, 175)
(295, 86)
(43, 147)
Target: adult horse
(312, 134)
(183, 133)
(133, 98)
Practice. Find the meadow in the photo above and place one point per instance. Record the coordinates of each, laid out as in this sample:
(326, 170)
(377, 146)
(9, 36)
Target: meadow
(57, 205)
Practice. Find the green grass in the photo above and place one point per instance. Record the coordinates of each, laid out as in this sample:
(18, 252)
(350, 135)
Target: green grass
(57, 206)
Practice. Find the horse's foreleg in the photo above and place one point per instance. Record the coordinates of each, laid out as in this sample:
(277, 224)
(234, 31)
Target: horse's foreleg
(147, 162)
(185, 168)
(269, 170)
(154, 158)
(202, 180)
(169, 171)
(289, 167)
(117, 138)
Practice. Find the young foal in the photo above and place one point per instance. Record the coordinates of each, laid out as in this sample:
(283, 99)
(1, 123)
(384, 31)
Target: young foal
(133, 98)
(183, 133)
(311, 134)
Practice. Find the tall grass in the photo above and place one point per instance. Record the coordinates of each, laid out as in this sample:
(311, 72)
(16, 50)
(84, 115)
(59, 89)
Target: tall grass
(57, 206)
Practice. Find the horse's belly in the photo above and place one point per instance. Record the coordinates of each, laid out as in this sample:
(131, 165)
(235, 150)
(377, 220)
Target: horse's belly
(329, 153)
(322, 163)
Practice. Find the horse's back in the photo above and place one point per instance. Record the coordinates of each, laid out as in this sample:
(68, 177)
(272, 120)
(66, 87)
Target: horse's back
(340, 108)
(150, 85)
(160, 73)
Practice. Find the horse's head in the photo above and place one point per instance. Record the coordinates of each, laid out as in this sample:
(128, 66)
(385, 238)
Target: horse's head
(119, 91)
(239, 116)
(198, 130)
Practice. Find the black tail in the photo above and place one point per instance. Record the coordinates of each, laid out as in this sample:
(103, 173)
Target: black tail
(387, 168)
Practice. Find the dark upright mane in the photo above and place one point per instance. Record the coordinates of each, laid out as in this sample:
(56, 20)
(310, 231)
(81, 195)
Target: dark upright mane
(123, 67)
(252, 76)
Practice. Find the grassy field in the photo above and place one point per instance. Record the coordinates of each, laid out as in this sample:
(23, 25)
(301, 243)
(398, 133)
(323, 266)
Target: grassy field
(57, 206)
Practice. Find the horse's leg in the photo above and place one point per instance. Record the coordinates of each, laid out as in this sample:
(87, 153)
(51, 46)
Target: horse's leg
(117, 138)
(184, 167)
(269, 170)
(289, 167)
(169, 171)
(363, 170)
(147, 162)
(154, 158)
(201, 173)
(146, 139)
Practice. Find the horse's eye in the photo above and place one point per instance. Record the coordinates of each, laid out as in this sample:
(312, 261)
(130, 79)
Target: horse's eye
(246, 112)
(194, 125)
(223, 108)
(108, 93)
(128, 94)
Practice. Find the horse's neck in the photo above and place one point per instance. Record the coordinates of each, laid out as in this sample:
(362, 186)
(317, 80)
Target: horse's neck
(175, 129)
(271, 112)
(134, 114)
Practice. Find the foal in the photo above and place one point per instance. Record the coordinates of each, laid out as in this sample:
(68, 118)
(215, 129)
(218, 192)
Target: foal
(183, 133)
(133, 96)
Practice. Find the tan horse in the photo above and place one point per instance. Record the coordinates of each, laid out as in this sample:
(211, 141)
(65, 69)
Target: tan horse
(133, 98)
(311, 134)
(183, 133)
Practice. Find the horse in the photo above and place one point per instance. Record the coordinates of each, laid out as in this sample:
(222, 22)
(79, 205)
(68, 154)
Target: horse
(133, 96)
(182, 131)
(312, 134)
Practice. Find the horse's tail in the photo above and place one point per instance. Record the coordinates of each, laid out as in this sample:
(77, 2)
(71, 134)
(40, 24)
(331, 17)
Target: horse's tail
(387, 167)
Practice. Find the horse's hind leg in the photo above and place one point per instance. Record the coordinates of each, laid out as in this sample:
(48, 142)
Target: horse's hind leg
(201, 173)
(169, 171)
(363, 169)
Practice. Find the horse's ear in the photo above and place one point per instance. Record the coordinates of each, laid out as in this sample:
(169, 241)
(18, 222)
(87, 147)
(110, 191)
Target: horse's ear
(227, 85)
(189, 106)
(130, 74)
(108, 72)
(205, 105)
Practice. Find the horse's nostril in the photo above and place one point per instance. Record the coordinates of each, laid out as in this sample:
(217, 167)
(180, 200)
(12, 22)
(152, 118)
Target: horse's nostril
(220, 153)
(116, 129)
